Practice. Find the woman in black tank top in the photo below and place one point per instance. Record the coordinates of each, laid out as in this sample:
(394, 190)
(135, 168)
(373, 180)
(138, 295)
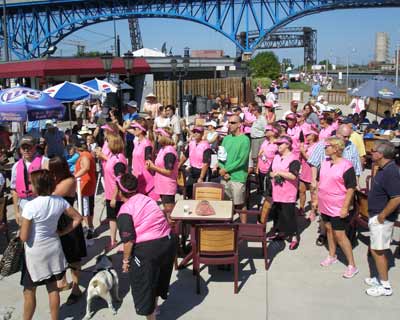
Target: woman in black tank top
(73, 243)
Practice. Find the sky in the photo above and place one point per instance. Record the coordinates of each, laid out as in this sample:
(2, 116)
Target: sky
(340, 33)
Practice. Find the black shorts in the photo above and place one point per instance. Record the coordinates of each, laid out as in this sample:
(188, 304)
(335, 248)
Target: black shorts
(167, 198)
(150, 272)
(112, 212)
(28, 283)
(336, 222)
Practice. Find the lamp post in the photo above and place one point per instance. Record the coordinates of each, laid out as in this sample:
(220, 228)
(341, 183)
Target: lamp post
(107, 59)
(347, 67)
(128, 59)
(180, 73)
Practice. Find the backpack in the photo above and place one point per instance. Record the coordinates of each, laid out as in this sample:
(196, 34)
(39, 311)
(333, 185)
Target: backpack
(12, 258)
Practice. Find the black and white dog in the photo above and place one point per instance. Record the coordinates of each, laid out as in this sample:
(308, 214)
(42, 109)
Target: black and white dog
(104, 284)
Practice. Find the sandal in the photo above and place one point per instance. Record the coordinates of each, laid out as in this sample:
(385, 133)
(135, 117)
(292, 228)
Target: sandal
(320, 240)
(67, 287)
(73, 298)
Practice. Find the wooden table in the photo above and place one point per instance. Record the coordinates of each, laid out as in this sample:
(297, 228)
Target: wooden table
(223, 213)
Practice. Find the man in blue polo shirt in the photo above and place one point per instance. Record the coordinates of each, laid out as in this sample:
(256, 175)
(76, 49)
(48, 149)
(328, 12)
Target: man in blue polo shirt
(383, 205)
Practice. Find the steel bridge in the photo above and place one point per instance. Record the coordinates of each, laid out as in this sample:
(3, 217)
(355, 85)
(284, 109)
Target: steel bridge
(36, 25)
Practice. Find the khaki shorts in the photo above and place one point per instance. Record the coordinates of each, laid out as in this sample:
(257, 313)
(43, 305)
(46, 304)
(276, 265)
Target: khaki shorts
(380, 234)
(235, 191)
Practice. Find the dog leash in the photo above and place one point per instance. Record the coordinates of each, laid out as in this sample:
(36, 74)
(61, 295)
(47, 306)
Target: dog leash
(89, 271)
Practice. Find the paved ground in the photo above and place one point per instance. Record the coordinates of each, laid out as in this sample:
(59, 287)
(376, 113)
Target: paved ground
(294, 287)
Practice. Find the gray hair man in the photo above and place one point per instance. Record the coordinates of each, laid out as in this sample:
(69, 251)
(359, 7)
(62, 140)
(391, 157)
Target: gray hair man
(383, 205)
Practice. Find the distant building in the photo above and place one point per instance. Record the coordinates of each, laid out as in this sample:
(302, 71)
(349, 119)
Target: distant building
(382, 47)
(207, 53)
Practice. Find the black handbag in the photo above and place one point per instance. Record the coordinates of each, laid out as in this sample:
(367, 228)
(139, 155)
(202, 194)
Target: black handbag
(12, 258)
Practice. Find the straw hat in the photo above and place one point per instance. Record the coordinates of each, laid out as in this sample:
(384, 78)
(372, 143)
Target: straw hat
(84, 130)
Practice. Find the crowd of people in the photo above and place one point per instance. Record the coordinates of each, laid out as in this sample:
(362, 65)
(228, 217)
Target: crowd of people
(138, 157)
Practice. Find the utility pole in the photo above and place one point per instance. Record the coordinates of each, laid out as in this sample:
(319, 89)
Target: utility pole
(397, 65)
(5, 34)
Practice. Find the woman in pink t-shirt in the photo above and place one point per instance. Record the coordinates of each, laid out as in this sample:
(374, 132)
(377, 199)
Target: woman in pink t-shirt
(114, 166)
(149, 249)
(266, 154)
(270, 112)
(165, 168)
(284, 173)
(326, 127)
(337, 182)
(306, 175)
(142, 152)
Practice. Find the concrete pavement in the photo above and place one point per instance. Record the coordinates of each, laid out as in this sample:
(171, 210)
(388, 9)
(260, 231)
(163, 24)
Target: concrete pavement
(294, 287)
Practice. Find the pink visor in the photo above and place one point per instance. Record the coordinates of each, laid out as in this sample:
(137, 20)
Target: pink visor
(121, 187)
(270, 128)
(138, 125)
(283, 140)
(307, 132)
(107, 127)
(163, 132)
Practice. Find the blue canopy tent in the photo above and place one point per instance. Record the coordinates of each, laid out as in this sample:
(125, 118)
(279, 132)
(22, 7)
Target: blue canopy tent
(22, 104)
(378, 88)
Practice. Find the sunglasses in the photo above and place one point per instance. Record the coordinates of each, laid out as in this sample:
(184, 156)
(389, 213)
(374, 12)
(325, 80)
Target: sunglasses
(26, 147)
(232, 122)
(346, 137)
(327, 146)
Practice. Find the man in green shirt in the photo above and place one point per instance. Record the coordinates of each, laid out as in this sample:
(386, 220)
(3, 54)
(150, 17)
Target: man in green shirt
(233, 165)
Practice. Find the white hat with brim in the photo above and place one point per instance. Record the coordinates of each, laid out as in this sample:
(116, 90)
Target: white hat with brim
(211, 123)
(85, 130)
(151, 95)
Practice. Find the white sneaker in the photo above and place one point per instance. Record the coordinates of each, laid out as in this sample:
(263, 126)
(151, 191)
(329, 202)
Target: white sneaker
(379, 291)
(372, 282)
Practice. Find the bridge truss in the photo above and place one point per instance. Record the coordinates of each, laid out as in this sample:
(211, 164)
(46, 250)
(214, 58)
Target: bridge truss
(295, 37)
(36, 25)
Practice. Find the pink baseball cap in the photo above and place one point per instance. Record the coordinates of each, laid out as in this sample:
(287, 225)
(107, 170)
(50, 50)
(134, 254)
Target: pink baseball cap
(291, 116)
(308, 131)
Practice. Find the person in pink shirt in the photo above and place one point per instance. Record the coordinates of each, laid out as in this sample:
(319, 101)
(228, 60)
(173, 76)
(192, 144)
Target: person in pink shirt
(267, 153)
(284, 172)
(337, 182)
(113, 202)
(293, 131)
(109, 129)
(306, 174)
(199, 153)
(142, 151)
(336, 119)
(270, 112)
(165, 168)
(149, 247)
(249, 117)
(326, 127)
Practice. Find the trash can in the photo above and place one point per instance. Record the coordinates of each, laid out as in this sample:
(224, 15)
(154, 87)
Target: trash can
(201, 104)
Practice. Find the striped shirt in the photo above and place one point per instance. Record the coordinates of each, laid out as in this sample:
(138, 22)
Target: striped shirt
(350, 153)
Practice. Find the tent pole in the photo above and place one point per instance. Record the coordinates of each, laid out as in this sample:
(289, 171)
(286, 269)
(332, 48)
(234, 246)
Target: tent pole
(376, 113)
(70, 114)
